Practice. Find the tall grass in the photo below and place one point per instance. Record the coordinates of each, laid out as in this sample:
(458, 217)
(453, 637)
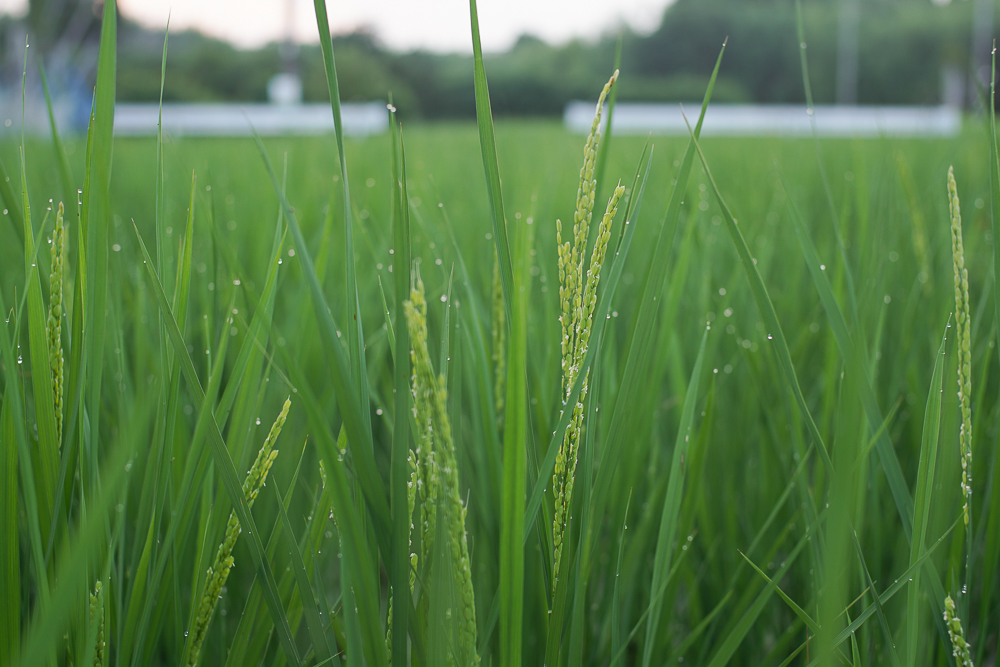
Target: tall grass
(710, 428)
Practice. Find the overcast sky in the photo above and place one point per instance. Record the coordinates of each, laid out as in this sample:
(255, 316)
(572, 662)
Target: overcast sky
(439, 25)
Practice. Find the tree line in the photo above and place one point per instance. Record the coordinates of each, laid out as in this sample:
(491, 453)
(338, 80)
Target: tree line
(904, 48)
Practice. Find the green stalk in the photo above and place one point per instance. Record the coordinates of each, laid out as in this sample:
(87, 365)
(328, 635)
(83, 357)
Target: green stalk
(512, 518)
(399, 465)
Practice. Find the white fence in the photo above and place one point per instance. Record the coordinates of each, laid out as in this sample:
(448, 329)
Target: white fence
(237, 119)
(772, 120)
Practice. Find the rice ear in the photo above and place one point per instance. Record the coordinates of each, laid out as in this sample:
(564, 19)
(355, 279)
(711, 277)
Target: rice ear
(437, 474)
(960, 648)
(218, 572)
(586, 301)
(964, 320)
(97, 619)
(54, 322)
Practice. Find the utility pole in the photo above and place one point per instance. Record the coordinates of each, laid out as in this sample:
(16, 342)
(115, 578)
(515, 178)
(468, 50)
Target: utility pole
(848, 26)
(286, 86)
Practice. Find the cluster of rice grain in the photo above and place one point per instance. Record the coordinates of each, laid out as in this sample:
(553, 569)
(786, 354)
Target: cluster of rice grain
(960, 648)
(577, 299)
(97, 619)
(437, 475)
(964, 320)
(54, 323)
(217, 574)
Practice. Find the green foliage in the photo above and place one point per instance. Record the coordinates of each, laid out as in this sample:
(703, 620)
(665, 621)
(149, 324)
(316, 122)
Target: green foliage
(742, 491)
(903, 47)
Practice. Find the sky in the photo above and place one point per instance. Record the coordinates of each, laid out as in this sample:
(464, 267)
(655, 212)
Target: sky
(437, 25)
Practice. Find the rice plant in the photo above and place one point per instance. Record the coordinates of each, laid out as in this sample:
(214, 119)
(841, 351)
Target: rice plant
(708, 428)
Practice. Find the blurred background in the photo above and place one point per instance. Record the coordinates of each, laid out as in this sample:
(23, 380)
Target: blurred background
(542, 53)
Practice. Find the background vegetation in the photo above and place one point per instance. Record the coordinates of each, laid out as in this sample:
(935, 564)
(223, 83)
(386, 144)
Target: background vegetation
(769, 468)
(904, 47)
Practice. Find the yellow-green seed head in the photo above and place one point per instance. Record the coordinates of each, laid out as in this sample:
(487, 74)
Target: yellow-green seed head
(964, 323)
(218, 572)
(571, 254)
(578, 299)
(97, 619)
(437, 471)
(960, 648)
(57, 254)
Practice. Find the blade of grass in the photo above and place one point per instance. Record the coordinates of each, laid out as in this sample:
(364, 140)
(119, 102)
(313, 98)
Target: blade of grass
(311, 611)
(703, 625)
(359, 438)
(325, 610)
(72, 578)
(355, 332)
(38, 353)
(810, 110)
(580, 576)
(252, 619)
(195, 465)
(766, 308)
(160, 221)
(488, 147)
(10, 575)
(98, 188)
(799, 611)
(733, 640)
(852, 354)
(13, 209)
(654, 596)
(487, 465)
(888, 593)
(512, 518)
(849, 352)
(922, 502)
(616, 632)
(194, 476)
(400, 468)
(226, 468)
(648, 308)
(879, 611)
(65, 175)
(992, 547)
(348, 518)
(13, 399)
(663, 555)
(352, 627)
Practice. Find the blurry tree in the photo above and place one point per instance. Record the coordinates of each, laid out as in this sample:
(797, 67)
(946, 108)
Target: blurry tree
(62, 24)
(903, 48)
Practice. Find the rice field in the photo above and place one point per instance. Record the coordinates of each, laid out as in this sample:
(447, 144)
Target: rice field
(315, 401)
